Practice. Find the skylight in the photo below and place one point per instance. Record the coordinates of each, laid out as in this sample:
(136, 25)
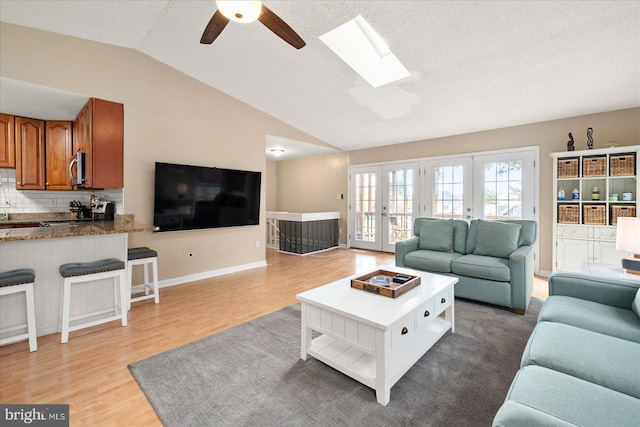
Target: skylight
(357, 44)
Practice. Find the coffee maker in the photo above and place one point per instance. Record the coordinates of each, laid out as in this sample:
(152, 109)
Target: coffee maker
(103, 210)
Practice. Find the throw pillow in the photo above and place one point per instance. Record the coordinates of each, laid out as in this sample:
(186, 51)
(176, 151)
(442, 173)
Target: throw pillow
(437, 235)
(636, 303)
(497, 239)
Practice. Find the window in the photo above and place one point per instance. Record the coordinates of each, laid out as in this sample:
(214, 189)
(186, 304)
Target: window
(448, 192)
(502, 196)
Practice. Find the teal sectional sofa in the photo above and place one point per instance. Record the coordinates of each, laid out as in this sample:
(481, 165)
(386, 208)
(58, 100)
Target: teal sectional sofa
(493, 260)
(581, 365)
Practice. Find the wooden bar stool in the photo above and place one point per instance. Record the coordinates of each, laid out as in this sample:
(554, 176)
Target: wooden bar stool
(82, 272)
(148, 259)
(12, 282)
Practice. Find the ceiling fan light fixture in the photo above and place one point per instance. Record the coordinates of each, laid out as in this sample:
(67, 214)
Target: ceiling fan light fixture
(244, 11)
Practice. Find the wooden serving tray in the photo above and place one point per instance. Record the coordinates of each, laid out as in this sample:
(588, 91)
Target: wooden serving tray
(393, 290)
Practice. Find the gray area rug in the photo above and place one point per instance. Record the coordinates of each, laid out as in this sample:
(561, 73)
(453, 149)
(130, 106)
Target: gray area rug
(252, 375)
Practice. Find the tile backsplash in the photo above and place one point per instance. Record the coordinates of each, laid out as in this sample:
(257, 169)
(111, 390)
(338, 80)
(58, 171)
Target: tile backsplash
(41, 201)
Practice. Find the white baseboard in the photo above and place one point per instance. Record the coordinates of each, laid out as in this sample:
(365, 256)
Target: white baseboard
(545, 273)
(208, 274)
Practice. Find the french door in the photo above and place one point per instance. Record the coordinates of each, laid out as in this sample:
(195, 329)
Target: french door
(365, 208)
(383, 205)
(495, 186)
(385, 199)
(448, 188)
(504, 186)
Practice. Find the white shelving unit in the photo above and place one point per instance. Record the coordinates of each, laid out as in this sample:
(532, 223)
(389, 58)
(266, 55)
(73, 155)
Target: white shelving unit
(584, 230)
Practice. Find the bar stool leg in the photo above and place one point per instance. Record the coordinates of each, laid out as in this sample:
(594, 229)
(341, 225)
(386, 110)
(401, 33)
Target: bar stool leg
(124, 296)
(129, 284)
(156, 294)
(31, 318)
(66, 306)
(146, 278)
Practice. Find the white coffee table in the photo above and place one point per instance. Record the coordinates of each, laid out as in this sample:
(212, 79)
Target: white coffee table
(371, 338)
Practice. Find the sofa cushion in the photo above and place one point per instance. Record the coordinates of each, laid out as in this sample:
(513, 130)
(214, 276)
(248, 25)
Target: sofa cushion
(601, 318)
(563, 397)
(430, 260)
(482, 267)
(528, 232)
(635, 305)
(459, 235)
(472, 237)
(437, 235)
(600, 359)
(459, 232)
(497, 239)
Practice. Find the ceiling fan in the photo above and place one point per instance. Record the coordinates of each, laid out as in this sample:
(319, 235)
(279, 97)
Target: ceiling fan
(245, 12)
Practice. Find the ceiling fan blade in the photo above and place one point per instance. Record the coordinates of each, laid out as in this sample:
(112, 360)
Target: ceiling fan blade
(280, 28)
(214, 28)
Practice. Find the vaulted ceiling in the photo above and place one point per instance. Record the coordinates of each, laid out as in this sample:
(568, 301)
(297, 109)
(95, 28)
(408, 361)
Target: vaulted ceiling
(474, 65)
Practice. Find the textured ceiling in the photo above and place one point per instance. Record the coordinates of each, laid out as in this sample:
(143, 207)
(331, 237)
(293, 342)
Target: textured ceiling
(474, 65)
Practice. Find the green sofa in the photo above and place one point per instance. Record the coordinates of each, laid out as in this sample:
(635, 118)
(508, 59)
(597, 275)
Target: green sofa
(581, 365)
(493, 260)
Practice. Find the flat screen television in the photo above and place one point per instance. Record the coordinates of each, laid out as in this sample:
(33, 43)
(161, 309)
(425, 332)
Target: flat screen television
(195, 197)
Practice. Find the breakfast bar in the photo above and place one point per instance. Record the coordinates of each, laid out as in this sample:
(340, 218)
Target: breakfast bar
(45, 249)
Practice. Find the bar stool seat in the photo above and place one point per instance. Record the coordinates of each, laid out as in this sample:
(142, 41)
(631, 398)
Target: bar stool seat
(81, 272)
(13, 282)
(148, 258)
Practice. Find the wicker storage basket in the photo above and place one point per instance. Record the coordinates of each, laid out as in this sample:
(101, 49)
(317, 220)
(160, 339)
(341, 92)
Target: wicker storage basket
(594, 166)
(594, 214)
(568, 213)
(618, 211)
(567, 168)
(622, 165)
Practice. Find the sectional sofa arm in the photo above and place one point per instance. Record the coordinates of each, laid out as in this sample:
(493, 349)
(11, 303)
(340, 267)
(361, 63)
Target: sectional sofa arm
(604, 290)
(403, 247)
(521, 264)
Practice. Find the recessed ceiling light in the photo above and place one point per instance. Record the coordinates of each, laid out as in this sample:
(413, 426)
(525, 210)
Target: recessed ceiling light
(358, 44)
(277, 151)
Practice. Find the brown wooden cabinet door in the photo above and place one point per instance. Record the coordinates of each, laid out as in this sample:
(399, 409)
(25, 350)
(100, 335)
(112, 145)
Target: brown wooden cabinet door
(30, 155)
(105, 159)
(82, 140)
(7, 142)
(58, 149)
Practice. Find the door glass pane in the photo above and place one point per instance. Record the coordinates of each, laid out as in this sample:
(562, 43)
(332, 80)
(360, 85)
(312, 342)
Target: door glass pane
(448, 196)
(502, 198)
(400, 214)
(365, 207)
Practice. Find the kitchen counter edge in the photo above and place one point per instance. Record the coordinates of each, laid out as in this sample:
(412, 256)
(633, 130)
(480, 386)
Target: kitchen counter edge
(72, 230)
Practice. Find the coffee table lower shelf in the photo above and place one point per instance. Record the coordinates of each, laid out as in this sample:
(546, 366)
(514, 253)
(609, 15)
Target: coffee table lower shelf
(362, 365)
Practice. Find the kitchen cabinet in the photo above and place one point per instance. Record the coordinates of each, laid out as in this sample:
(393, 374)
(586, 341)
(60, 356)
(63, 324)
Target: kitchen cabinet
(584, 227)
(30, 155)
(58, 153)
(7, 142)
(99, 133)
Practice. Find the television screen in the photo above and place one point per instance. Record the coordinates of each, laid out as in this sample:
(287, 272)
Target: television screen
(192, 197)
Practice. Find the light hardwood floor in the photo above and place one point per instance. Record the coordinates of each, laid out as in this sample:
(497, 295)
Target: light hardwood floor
(90, 372)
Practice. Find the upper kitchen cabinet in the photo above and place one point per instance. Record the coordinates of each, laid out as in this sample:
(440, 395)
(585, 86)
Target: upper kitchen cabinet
(7, 142)
(99, 134)
(58, 152)
(30, 154)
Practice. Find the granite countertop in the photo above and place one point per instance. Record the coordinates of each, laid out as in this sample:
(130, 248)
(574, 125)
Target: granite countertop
(122, 224)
